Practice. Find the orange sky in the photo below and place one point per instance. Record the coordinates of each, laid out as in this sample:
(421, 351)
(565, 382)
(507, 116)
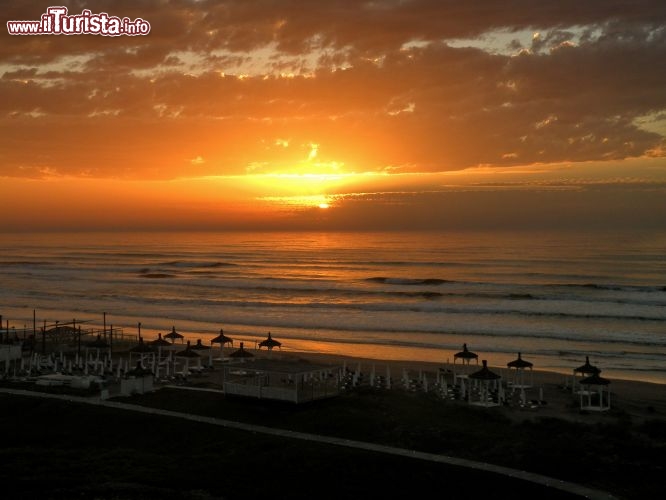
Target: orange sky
(422, 114)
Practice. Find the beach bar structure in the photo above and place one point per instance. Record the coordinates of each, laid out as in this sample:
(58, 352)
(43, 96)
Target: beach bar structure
(292, 381)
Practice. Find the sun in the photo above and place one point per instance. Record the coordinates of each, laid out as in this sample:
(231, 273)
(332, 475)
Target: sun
(323, 206)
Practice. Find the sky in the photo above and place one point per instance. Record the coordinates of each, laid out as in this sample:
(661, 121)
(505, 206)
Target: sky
(337, 115)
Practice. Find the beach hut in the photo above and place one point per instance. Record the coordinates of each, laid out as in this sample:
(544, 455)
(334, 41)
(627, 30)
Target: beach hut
(583, 372)
(173, 335)
(594, 387)
(222, 339)
(269, 343)
(241, 353)
(518, 366)
(486, 380)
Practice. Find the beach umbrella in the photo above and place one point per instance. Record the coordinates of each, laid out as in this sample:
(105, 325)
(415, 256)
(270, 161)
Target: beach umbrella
(520, 365)
(465, 356)
(241, 353)
(159, 343)
(584, 370)
(187, 354)
(200, 347)
(222, 339)
(484, 376)
(173, 335)
(269, 343)
(587, 368)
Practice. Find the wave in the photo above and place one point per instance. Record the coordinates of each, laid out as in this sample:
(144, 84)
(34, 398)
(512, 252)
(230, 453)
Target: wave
(196, 264)
(408, 281)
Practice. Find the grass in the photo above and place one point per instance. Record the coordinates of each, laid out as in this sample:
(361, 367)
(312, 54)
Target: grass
(61, 450)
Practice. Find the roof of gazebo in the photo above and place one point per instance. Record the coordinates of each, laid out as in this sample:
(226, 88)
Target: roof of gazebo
(241, 353)
(587, 368)
(519, 363)
(173, 334)
(199, 346)
(270, 342)
(484, 373)
(466, 354)
(159, 341)
(221, 339)
(188, 352)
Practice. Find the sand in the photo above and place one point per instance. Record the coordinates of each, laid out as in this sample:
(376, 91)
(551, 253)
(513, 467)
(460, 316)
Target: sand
(637, 400)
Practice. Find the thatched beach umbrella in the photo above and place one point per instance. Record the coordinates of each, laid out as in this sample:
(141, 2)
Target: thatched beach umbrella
(188, 354)
(222, 339)
(241, 353)
(200, 347)
(465, 356)
(269, 343)
(159, 343)
(584, 371)
(485, 376)
(520, 366)
(173, 335)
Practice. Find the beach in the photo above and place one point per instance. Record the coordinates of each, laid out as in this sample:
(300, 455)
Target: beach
(626, 437)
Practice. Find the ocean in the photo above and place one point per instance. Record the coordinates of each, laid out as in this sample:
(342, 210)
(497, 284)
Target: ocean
(554, 297)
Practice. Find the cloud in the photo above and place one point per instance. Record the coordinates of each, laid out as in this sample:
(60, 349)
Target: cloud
(376, 85)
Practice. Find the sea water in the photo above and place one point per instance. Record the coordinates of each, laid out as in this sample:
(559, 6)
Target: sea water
(554, 297)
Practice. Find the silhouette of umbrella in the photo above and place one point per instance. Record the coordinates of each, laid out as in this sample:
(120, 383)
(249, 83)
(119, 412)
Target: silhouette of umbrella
(269, 343)
(520, 364)
(200, 347)
(466, 355)
(485, 376)
(485, 373)
(241, 353)
(222, 339)
(587, 368)
(160, 342)
(173, 335)
(188, 353)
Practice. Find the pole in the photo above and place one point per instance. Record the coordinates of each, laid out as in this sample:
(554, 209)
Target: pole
(104, 325)
(44, 338)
